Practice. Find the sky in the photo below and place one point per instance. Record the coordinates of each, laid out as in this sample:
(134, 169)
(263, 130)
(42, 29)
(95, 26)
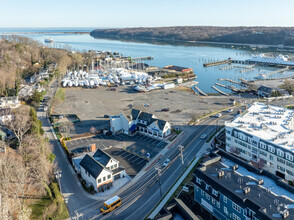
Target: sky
(145, 13)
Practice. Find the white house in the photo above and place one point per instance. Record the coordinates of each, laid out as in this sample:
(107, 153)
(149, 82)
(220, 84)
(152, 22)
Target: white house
(9, 102)
(263, 134)
(99, 170)
(5, 115)
(141, 122)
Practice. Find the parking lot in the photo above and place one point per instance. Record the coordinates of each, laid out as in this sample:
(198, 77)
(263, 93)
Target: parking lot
(130, 151)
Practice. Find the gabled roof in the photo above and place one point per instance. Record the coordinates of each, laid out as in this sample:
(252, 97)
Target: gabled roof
(161, 124)
(92, 166)
(102, 157)
(135, 114)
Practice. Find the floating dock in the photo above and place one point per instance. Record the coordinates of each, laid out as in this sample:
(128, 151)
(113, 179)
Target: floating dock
(278, 71)
(229, 80)
(199, 90)
(228, 87)
(221, 92)
(217, 63)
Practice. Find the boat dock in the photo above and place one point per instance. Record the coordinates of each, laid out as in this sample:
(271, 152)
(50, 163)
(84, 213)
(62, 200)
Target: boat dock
(229, 80)
(246, 70)
(278, 71)
(221, 92)
(228, 87)
(197, 90)
(217, 63)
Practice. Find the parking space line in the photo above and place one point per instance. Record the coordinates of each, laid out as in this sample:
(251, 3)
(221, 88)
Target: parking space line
(132, 157)
(138, 158)
(140, 161)
(87, 140)
(122, 154)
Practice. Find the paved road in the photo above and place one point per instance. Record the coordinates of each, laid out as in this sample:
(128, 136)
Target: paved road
(138, 198)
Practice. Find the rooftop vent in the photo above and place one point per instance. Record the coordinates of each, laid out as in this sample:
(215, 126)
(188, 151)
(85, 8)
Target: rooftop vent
(235, 167)
(246, 190)
(260, 182)
(221, 173)
(285, 214)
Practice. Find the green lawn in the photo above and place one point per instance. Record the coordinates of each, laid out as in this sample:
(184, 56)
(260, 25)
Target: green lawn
(50, 208)
(60, 95)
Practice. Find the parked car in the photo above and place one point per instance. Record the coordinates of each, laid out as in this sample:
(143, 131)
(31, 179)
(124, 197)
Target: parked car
(106, 116)
(166, 162)
(203, 136)
(146, 105)
(165, 109)
(230, 110)
(218, 115)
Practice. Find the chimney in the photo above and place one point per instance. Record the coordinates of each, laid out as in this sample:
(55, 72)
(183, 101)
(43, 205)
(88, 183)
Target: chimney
(235, 167)
(93, 147)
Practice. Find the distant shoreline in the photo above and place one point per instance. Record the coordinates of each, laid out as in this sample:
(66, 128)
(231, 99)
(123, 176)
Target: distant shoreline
(57, 32)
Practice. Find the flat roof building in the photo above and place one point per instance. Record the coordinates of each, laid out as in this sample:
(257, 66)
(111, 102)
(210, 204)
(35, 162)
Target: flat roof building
(230, 191)
(263, 134)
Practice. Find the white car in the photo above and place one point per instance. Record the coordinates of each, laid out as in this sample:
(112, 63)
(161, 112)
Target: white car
(166, 162)
(218, 115)
(146, 105)
(203, 136)
(230, 110)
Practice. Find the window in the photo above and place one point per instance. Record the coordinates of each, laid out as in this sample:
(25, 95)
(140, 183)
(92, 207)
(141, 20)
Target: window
(280, 160)
(271, 149)
(280, 153)
(202, 192)
(271, 157)
(225, 199)
(214, 192)
(111, 167)
(262, 153)
(235, 217)
(109, 176)
(115, 165)
(289, 164)
(289, 157)
(236, 207)
(104, 178)
(207, 187)
(99, 180)
(262, 145)
(226, 210)
(196, 188)
(218, 204)
(289, 172)
(213, 200)
(207, 196)
(198, 180)
(281, 168)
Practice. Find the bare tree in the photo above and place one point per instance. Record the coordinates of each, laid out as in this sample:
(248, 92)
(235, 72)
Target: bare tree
(20, 123)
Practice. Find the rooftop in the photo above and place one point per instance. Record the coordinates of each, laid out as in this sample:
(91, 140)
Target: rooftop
(270, 123)
(91, 165)
(268, 198)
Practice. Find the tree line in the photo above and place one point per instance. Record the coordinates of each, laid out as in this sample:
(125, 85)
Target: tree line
(246, 35)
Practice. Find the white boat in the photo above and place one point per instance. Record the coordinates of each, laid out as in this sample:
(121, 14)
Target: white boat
(48, 40)
(261, 76)
(279, 59)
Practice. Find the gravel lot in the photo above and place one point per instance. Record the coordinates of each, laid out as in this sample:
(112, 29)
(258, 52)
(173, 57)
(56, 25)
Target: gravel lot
(92, 104)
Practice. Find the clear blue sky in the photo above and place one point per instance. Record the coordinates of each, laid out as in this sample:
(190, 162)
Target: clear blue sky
(134, 13)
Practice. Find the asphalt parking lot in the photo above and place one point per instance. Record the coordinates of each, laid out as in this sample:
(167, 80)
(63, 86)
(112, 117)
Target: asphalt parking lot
(130, 151)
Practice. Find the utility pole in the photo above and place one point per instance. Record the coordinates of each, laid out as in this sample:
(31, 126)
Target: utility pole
(77, 216)
(58, 176)
(158, 177)
(181, 148)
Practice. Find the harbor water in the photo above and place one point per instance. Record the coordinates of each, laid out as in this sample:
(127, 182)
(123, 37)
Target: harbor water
(192, 56)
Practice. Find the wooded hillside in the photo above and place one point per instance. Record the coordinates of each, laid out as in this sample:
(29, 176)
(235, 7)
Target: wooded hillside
(246, 35)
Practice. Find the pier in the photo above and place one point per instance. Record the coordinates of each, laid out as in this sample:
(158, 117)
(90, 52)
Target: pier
(228, 87)
(199, 90)
(229, 80)
(221, 92)
(278, 71)
(217, 63)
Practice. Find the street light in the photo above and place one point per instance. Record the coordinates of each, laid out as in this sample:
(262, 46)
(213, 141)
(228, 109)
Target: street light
(157, 167)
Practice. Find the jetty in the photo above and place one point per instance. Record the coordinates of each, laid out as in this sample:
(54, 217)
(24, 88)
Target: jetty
(221, 92)
(217, 63)
(246, 70)
(197, 90)
(228, 87)
(226, 67)
(278, 71)
(229, 80)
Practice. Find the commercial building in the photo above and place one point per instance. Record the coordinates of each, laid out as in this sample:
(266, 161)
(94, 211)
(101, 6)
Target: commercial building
(141, 122)
(98, 169)
(263, 135)
(229, 191)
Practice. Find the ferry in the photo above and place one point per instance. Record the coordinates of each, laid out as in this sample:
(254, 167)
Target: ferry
(48, 40)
